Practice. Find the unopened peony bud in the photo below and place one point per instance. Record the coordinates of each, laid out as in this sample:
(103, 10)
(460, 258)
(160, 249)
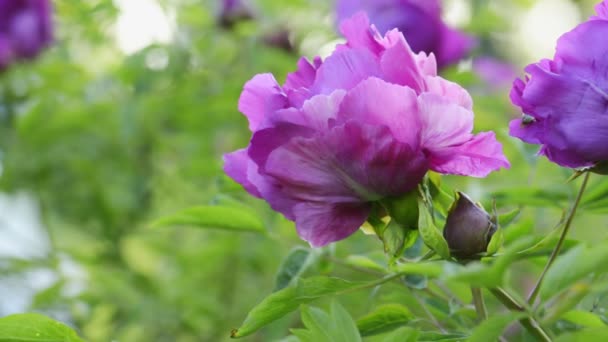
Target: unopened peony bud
(468, 228)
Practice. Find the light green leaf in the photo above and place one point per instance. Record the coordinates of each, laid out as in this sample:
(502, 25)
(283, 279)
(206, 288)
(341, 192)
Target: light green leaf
(337, 326)
(282, 302)
(492, 328)
(585, 335)
(429, 269)
(397, 238)
(384, 318)
(35, 328)
(584, 318)
(364, 262)
(576, 264)
(504, 220)
(430, 234)
(496, 242)
(292, 267)
(220, 217)
(404, 334)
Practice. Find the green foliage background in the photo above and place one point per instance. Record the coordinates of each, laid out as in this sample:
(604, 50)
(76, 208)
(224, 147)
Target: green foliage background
(108, 143)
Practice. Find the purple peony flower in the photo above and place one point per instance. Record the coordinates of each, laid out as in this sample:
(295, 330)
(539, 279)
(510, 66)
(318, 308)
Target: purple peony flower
(232, 11)
(364, 124)
(418, 20)
(25, 29)
(565, 100)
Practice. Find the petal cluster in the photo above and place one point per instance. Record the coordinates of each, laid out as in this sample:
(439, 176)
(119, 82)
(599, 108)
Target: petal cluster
(419, 21)
(25, 29)
(364, 124)
(565, 99)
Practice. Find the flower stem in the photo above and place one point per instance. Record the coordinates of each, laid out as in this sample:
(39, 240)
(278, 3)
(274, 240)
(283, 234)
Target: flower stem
(529, 322)
(560, 242)
(480, 305)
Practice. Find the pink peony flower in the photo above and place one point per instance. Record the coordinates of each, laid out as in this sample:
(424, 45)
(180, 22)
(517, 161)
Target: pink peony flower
(363, 125)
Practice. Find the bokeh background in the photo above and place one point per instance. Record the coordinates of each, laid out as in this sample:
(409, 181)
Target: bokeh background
(124, 119)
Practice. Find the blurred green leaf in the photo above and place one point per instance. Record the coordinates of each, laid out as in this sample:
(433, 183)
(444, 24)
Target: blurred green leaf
(384, 318)
(492, 328)
(584, 319)
(594, 334)
(337, 326)
(404, 334)
(219, 217)
(574, 265)
(292, 267)
(35, 328)
(282, 302)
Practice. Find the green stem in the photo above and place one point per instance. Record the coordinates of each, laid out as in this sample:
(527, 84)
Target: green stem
(480, 305)
(560, 242)
(528, 322)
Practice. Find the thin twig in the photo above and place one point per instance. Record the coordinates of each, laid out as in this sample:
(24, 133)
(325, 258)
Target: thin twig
(560, 243)
(480, 305)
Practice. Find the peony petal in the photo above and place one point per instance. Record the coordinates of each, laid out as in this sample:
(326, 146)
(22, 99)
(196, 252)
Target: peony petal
(261, 95)
(449, 90)
(443, 124)
(476, 158)
(602, 11)
(377, 102)
(267, 140)
(400, 65)
(582, 55)
(321, 224)
(315, 112)
(236, 165)
(358, 33)
(349, 163)
(344, 70)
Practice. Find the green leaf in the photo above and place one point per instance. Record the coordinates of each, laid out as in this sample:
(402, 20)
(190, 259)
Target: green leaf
(504, 220)
(343, 325)
(576, 264)
(584, 318)
(429, 269)
(492, 328)
(385, 318)
(496, 241)
(404, 334)
(430, 234)
(337, 326)
(220, 217)
(591, 335)
(566, 301)
(292, 267)
(284, 301)
(397, 238)
(35, 328)
(364, 262)
(532, 197)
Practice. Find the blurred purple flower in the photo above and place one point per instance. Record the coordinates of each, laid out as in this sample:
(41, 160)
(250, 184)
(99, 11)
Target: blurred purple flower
(364, 124)
(565, 100)
(25, 29)
(494, 72)
(233, 11)
(418, 20)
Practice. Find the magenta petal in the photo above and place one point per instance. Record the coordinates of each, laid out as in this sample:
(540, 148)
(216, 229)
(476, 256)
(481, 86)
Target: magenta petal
(449, 90)
(443, 123)
(358, 33)
(350, 163)
(345, 69)
(399, 66)
(236, 165)
(261, 96)
(476, 158)
(321, 224)
(377, 102)
(602, 11)
(531, 133)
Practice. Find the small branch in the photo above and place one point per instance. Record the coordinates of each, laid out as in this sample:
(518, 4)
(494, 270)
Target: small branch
(529, 322)
(560, 243)
(480, 305)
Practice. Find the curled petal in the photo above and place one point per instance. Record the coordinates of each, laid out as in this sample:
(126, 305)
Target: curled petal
(476, 157)
(261, 95)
